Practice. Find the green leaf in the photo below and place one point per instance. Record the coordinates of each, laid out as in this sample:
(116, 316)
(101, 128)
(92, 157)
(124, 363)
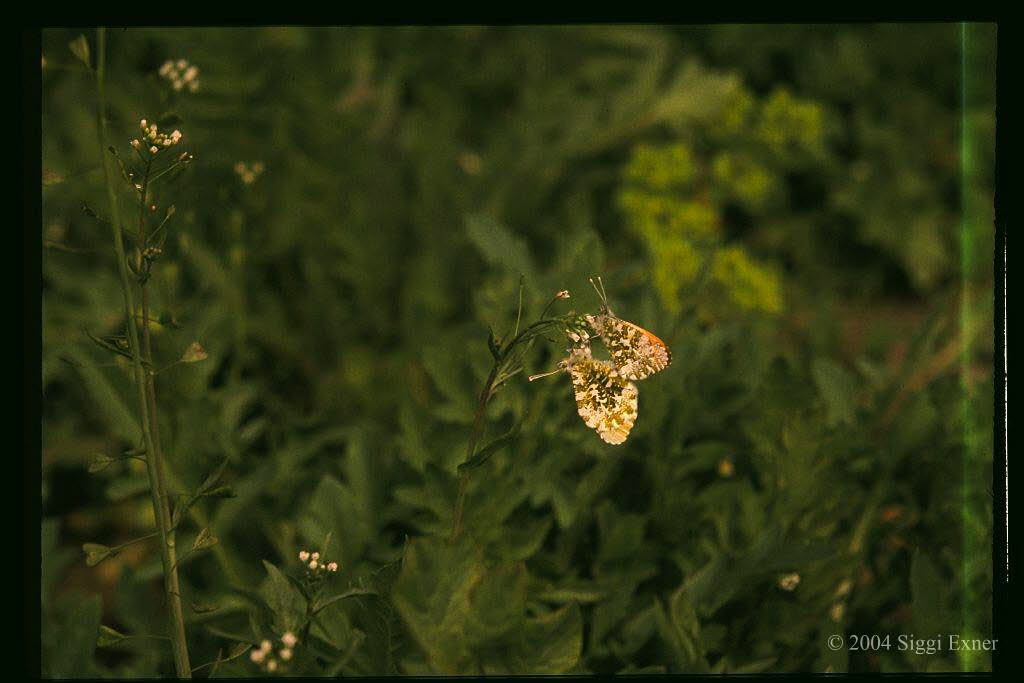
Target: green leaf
(680, 627)
(214, 476)
(580, 595)
(219, 492)
(500, 247)
(837, 387)
(490, 449)
(287, 605)
(54, 557)
(354, 592)
(548, 645)
(99, 463)
(80, 49)
(70, 641)
(928, 593)
(334, 508)
(432, 595)
(469, 616)
(106, 399)
(204, 540)
(203, 608)
(755, 667)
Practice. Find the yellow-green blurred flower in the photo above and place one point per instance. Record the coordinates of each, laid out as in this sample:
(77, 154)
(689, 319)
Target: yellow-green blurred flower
(748, 284)
(675, 265)
(661, 168)
(743, 178)
(789, 124)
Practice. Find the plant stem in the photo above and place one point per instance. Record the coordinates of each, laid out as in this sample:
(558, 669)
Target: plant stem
(143, 382)
(495, 379)
(474, 440)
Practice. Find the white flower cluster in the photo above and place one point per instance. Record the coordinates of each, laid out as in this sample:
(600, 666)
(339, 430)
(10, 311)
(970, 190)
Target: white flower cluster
(181, 74)
(249, 172)
(154, 138)
(315, 564)
(264, 655)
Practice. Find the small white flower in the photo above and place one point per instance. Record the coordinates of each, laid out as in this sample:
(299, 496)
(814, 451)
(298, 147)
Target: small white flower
(272, 665)
(303, 556)
(289, 639)
(153, 150)
(265, 645)
(789, 582)
(313, 564)
(257, 655)
(143, 125)
(136, 143)
(333, 566)
(182, 64)
(286, 654)
(315, 556)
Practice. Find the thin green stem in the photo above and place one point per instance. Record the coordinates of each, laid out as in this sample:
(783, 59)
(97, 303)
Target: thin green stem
(160, 510)
(474, 440)
(499, 373)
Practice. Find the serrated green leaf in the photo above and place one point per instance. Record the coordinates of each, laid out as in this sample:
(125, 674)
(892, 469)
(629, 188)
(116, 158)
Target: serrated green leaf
(500, 247)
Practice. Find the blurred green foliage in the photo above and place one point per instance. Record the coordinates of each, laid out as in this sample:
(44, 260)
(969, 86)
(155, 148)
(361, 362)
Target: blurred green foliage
(785, 206)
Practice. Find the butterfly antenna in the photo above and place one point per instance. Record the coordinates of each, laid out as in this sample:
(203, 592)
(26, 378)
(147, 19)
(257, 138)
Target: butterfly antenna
(600, 293)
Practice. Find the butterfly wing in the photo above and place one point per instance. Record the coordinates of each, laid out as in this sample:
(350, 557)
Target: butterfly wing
(605, 400)
(635, 352)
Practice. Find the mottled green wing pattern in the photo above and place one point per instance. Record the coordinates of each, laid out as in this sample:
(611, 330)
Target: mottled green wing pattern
(635, 352)
(606, 401)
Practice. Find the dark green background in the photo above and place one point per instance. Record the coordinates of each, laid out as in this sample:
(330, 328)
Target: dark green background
(827, 413)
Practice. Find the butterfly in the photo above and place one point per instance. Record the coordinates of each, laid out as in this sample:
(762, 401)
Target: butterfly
(636, 352)
(605, 400)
